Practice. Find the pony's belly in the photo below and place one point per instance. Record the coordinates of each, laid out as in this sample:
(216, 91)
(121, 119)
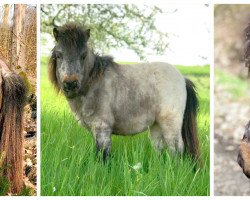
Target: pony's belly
(130, 127)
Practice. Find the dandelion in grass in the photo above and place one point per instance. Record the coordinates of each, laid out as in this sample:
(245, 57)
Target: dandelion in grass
(137, 166)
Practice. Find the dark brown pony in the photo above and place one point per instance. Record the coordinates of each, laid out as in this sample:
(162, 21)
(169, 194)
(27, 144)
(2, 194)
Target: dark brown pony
(244, 152)
(12, 100)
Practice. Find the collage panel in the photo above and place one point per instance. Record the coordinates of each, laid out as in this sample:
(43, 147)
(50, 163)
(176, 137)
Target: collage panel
(91, 101)
(231, 100)
(123, 93)
(18, 110)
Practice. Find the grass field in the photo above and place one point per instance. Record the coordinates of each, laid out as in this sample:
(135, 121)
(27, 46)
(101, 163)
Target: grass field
(233, 84)
(69, 166)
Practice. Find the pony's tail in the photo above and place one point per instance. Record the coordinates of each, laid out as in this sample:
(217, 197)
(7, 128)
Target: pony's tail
(189, 127)
(11, 130)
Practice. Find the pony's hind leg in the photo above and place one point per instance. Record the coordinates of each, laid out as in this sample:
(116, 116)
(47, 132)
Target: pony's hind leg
(157, 137)
(171, 132)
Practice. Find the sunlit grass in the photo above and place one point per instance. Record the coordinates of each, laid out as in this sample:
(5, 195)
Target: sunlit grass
(69, 166)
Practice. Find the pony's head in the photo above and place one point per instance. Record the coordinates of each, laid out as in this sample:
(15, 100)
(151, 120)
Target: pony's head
(244, 153)
(70, 59)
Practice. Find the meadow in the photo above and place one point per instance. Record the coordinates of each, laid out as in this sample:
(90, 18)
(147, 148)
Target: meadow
(69, 166)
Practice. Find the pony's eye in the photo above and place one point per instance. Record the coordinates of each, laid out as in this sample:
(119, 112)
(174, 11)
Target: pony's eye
(83, 56)
(59, 55)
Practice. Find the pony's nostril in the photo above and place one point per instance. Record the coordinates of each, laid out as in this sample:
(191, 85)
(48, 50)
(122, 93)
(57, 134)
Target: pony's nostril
(70, 85)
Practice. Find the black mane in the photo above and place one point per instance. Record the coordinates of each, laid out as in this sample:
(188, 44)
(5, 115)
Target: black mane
(101, 64)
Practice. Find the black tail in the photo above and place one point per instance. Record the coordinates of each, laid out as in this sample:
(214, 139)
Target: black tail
(189, 127)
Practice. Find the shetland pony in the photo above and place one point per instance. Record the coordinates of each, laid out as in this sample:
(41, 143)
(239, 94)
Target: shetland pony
(244, 152)
(109, 98)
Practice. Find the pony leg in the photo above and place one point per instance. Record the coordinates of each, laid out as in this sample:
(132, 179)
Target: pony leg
(103, 140)
(157, 137)
(171, 131)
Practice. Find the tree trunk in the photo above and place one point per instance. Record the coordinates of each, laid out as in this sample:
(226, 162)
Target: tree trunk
(19, 13)
(5, 34)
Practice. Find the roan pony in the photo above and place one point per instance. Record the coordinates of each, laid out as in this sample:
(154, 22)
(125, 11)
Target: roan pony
(12, 100)
(110, 98)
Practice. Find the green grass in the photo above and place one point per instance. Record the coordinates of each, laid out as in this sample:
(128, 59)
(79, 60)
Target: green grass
(233, 84)
(69, 166)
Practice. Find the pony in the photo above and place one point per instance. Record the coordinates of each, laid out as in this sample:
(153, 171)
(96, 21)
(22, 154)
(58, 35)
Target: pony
(243, 158)
(12, 101)
(110, 98)
(247, 48)
(244, 152)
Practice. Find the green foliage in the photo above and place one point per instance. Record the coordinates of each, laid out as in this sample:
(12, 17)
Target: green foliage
(112, 25)
(69, 166)
(196, 70)
(4, 185)
(27, 192)
(31, 89)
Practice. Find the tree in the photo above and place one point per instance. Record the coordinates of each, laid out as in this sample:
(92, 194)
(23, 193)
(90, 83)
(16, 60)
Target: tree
(18, 40)
(19, 14)
(112, 26)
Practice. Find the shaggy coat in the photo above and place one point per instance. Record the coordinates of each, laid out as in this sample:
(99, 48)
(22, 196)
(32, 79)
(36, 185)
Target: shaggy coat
(244, 152)
(109, 98)
(12, 99)
(247, 48)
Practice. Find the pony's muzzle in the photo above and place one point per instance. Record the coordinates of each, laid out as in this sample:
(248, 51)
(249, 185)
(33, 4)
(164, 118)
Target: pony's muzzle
(70, 85)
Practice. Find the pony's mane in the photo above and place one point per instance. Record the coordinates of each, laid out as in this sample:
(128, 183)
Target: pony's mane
(52, 71)
(101, 64)
(13, 97)
(247, 48)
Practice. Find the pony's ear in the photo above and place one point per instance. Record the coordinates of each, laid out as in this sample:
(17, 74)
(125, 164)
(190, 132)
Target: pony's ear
(87, 32)
(56, 33)
(247, 132)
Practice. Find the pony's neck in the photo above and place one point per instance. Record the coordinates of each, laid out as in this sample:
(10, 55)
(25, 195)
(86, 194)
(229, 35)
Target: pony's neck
(89, 62)
(95, 70)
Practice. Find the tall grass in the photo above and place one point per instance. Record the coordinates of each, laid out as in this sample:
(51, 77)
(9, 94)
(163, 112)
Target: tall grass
(69, 166)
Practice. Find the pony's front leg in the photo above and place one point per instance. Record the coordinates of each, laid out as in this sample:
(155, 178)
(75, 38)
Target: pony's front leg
(103, 142)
